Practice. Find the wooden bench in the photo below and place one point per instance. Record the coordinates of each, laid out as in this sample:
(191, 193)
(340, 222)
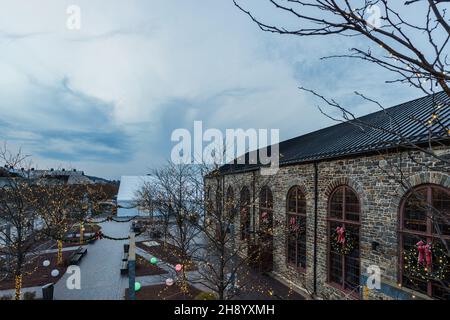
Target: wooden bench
(82, 250)
(76, 257)
(124, 267)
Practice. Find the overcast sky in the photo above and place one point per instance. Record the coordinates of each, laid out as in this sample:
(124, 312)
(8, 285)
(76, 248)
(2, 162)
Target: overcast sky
(106, 98)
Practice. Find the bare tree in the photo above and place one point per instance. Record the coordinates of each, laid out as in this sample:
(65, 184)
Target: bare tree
(412, 46)
(226, 265)
(19, 238)
(176, 198)
(204, 206)
(61, 206)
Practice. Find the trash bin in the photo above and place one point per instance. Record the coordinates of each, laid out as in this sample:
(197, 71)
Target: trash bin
(47, 291)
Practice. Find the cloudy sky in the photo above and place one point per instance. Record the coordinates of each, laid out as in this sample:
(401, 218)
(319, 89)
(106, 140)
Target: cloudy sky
(106, 98)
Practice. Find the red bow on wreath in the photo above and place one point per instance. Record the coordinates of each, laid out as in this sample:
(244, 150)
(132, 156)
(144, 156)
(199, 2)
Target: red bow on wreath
(293, 223)
(425, 254)
(264, 216)
(421, 251)
(341, 235)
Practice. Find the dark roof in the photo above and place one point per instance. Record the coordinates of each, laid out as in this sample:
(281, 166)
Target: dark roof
(393, 127)
(98, 179)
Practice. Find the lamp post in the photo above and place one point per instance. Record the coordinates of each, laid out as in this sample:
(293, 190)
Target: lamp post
(81, 233)
(233, 258)
(132, 268)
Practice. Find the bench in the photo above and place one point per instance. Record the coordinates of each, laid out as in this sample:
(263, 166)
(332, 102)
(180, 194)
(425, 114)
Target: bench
(125, 256)
(82, 250)
(124, 267)
(156, 234)
(76, 257)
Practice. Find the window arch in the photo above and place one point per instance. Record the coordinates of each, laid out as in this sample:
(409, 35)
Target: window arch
(266, 230)
(344, 215)
(266, 211)
(424, 214)
(266, 198)
(245, 208)
(296, 224)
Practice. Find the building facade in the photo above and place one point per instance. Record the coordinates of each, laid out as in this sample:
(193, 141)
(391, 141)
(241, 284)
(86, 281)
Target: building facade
(338, 220)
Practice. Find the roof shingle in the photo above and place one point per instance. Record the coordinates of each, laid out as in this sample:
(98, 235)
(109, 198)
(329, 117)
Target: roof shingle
(400, 125)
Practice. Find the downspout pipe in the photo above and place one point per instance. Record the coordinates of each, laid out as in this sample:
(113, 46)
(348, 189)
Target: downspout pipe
(316, 201)
(254, 205)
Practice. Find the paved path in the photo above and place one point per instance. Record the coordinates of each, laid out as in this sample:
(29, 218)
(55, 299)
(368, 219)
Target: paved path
(100, 269)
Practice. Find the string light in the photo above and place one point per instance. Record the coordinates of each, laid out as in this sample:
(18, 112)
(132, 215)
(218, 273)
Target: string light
(18, 286)
(57, 205)
(438, 270)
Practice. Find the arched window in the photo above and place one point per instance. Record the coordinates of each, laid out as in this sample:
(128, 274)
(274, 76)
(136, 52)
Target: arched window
(424, 216)
(296, 224)
(343, 238)
(265, 203)
(266, 199)
(266, 229)
(245, 213)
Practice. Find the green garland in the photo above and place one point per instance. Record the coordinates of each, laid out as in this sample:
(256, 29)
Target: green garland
(98, 236)
(440, 269)
(340, 248)
(109, 219)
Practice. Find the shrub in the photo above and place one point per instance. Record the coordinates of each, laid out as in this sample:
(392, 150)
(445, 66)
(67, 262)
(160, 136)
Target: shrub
(6, 297)
(29, 295)
(205, 296)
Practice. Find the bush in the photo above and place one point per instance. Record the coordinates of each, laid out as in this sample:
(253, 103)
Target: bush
(205, 296)
(6, 297)
(29, 295)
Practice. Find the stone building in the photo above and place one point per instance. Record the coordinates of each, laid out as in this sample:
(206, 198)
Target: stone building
(352, 198)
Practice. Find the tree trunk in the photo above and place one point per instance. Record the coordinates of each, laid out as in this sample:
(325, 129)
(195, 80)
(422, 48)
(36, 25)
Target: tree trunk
(60, 255)
(81, 233)
(18, 286)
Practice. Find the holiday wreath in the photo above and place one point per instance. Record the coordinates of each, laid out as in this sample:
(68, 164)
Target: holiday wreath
(342, 242)
(427, 261)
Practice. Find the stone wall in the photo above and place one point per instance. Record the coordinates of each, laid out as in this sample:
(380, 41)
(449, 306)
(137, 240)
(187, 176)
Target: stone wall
(376, 180)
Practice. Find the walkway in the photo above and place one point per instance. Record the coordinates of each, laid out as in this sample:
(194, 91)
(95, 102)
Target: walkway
(100, 269)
